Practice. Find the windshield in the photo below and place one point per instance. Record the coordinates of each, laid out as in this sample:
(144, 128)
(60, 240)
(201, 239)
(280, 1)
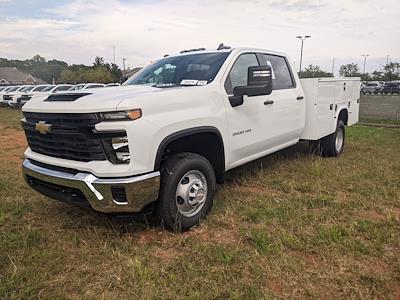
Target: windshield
(49, 88)
(190, 69)
(77, 87)
(14, 89)
(27, 89)
(62, 88)
(92, 86)
(40, 88)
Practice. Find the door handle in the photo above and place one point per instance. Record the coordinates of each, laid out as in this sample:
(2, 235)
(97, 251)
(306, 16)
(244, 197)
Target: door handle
(300, 98)
(268, 102)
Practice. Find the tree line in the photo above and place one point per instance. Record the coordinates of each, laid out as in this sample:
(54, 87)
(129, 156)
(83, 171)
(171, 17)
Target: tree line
(61, 72)
(390, 72)
(103, 72)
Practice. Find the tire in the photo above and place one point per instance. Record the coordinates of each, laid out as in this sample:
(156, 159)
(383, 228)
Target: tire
(333, 144)
(187, 191)
(315, 147)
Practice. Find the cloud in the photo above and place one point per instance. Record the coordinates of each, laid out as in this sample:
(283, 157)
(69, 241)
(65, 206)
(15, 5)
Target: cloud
(77, 31)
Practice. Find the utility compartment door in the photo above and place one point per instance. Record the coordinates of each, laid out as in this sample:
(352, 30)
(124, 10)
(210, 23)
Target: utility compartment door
(325, 108)
(347, 95)
(320, 99)
(354, 108)
(325, 97)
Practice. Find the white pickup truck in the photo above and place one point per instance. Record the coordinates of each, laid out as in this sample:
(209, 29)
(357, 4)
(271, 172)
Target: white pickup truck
(165, 138)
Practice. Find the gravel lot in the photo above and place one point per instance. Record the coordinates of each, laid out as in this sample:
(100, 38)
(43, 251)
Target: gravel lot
(380, 107)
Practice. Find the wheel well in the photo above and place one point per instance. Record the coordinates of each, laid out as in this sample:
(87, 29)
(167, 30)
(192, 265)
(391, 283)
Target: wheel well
(206, 142)
(344, 116)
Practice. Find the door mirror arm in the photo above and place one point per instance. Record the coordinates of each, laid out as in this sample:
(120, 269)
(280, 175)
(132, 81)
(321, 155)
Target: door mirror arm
(259, 82)
(236, 100)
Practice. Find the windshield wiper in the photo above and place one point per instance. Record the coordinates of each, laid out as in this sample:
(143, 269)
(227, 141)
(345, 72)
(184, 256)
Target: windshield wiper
(165, 85)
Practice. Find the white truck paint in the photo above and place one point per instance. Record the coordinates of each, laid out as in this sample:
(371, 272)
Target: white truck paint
(217, 123)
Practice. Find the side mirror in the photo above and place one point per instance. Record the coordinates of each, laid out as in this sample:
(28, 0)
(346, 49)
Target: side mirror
(259, 82)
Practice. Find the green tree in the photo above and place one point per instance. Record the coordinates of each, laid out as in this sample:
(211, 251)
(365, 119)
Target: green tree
(98, 61)
(377, 76)
(349, 70)
(392, 71)
(115, 72)
(62, 72)
(314, 72)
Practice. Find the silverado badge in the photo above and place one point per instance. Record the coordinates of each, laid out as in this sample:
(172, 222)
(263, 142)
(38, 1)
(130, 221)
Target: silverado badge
(42, 127)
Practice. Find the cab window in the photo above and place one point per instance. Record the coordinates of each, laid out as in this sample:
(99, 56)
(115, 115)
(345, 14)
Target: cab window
(238, 74)
(281, 76)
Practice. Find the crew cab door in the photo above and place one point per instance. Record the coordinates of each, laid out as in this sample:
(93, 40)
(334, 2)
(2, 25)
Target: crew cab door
(248, 133)
(262, 123)
(288, 109)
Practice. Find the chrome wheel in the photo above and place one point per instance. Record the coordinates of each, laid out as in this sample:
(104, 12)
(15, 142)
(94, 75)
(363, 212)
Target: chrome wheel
(191, 193)
(339, 140)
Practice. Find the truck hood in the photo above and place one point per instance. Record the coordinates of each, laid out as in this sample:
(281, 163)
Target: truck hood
(98, 100)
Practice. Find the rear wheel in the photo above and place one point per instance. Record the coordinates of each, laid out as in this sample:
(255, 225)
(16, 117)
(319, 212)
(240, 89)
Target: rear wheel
(331, 145)
(187, 191)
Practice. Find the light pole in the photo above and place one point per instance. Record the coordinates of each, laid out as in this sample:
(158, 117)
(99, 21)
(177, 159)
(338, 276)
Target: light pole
(333, 67)
(123, 63)
(365, 61)
(302, 38)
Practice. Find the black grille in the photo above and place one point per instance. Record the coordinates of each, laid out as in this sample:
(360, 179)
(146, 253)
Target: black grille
(119, 194)
(58, 192)
(7, 97)
(25, 97)
(70, 136)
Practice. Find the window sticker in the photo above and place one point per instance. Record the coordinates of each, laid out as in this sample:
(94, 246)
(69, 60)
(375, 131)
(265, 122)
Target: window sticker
(269, 64)
(202, 82)
(189, 82)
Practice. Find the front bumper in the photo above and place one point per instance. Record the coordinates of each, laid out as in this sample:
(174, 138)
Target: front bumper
(114, 195)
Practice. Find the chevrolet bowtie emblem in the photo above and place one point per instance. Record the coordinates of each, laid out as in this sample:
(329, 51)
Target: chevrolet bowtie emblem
(42, 127)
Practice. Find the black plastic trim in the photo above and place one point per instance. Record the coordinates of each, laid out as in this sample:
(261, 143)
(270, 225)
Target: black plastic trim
(184, 133)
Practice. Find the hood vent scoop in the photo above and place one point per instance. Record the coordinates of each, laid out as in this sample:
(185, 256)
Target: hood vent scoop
(69, 97)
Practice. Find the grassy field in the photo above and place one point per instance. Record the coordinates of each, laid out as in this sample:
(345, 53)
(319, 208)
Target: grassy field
(289, 225)
(379, 121)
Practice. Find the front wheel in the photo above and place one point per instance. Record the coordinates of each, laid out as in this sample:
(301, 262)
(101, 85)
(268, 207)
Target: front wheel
(187, 191)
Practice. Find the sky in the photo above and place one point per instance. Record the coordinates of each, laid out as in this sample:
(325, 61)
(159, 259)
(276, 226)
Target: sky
(143, 30)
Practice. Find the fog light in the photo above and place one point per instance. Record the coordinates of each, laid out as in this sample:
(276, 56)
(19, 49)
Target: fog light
(117, 149)
(121, 148)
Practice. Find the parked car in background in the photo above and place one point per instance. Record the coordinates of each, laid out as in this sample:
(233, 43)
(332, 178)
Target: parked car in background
(371, 88)
(391, 88)
(51, 89)
(85, 86)
(21, 97)
(113, 84)
(13, 102)
(9, 95)
(3, 92)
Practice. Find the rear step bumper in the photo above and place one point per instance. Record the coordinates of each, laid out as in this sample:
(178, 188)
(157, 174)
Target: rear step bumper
(111, 195)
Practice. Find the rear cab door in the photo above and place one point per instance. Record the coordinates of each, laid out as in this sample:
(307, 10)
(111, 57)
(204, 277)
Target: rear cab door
(262, 124)
(288, 109)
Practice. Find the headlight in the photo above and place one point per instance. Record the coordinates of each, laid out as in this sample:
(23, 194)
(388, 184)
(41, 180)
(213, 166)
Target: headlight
(121, 115)
(117, 150)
